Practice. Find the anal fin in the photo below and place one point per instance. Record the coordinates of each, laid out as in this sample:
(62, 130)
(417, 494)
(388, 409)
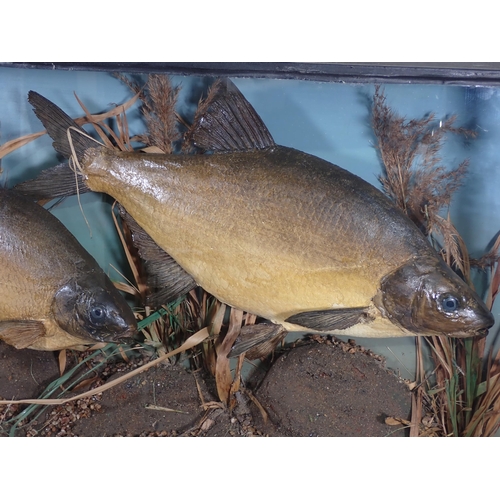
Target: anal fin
(331, 319)
(166, 279)
(257, 341)
(21, 334)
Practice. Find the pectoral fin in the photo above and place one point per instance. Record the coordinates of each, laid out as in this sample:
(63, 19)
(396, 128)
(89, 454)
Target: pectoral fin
(21, 334)
(166, 280)
(257, 341)
(331, 319)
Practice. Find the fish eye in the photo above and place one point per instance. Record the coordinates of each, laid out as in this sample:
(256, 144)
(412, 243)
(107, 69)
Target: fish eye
(449, 303)
(97, 313)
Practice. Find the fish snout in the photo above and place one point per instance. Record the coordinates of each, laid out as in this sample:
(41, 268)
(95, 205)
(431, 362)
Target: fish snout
(126, 337)
(484, 320)
(122, 326)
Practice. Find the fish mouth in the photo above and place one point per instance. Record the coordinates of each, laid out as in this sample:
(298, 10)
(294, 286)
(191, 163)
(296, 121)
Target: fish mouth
(481, 333)
(127, 336)
(124, 337)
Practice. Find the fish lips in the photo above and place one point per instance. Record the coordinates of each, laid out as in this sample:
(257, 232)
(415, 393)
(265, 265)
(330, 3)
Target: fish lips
(120, 334)
(477, 333)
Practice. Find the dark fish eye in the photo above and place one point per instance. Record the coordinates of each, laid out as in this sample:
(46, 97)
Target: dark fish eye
(97, 313)
(449, 303)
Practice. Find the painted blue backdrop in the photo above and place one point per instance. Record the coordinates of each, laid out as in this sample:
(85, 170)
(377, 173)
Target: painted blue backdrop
(329, 120)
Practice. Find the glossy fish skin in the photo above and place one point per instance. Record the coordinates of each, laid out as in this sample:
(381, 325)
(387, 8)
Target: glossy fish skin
(284, 235)
(275, 268)
(53, 295)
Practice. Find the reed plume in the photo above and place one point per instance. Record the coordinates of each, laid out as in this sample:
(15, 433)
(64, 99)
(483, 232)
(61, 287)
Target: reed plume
(464, 399)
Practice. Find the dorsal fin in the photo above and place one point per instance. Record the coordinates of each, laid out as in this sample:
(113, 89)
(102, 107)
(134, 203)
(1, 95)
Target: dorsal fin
(226, 121)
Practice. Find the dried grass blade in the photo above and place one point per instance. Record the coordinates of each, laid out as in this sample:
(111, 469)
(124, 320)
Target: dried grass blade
(62, 361)
(162, 408)
(125, 135)
(495, 283)
(153, 149)
(493, 422)
(256, 402)
(128, 287)
(192, 341)
(416, 412)
(475, 424)
(441, 350)
(120, 108)
(485, 386)
(218, 318)
(454, 244)
(14, 144)
(98, 119)
(141, 287)
(214, 318)
(223, 377)
(85, 383)
(123, 354)
(125, 287)
(122, 144)
(117, 138)
(417, 393)
(235, 386)
(193, 296)
(97, 124)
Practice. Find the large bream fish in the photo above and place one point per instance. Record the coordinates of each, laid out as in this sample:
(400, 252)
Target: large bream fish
(275, 231)
(53, 294)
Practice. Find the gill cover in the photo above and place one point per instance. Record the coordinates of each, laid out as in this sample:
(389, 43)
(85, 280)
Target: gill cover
(91, 308)
(426, 297)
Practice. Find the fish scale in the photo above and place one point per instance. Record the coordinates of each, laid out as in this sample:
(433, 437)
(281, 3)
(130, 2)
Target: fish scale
(272, 273)
(275, 231)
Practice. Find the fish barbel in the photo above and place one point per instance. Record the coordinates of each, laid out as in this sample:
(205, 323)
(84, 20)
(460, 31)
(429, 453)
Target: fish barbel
(273, 230)
(53, 294)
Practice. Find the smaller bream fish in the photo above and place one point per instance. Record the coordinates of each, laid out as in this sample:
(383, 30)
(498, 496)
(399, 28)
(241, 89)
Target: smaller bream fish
(53, 294)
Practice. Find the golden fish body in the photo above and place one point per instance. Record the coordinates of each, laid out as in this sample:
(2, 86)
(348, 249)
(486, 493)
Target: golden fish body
(278, 232)
(263, 231)
(53, 295)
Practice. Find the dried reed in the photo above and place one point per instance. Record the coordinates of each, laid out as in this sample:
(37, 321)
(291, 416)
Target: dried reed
(413, 175)
(464, 399)
(166, 332)
(199, 309)
(159, 99)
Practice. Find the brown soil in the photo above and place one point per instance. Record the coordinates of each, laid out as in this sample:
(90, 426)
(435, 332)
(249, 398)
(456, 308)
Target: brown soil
(318, 387)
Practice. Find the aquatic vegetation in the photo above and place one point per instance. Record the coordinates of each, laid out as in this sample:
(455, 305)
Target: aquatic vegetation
(198, 310)
(159, 99)
(461, 395)
(422, 191)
